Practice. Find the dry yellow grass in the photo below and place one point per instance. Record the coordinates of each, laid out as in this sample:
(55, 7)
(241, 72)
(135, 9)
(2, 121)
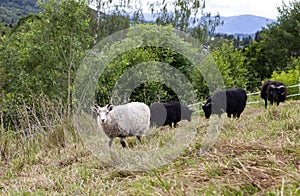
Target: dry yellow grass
(258, 154)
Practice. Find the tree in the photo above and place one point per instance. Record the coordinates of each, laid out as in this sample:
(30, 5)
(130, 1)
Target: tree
(187, 16)
(256, 63)
(180, 14)
(205, 27)
(145, 55)
(68, 37)
(281, 40)
(43, 53)
(275, 47)
(290, 77)
(108, 9)
(231, 65)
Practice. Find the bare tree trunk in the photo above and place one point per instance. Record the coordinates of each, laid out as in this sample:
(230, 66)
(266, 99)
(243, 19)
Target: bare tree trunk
(69, 60)
(2, 116)
(98, 12)
(69, 91)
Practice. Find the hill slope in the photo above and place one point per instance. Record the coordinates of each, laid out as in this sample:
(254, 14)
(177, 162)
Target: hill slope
(12, 10)
(243, 24)
(257, 154)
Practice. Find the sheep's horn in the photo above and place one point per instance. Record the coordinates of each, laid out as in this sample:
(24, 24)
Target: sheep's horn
(281, 86)
(208, 104)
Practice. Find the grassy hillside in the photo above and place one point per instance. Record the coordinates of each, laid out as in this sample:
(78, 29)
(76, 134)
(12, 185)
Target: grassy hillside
(257, 154)
(12, 10)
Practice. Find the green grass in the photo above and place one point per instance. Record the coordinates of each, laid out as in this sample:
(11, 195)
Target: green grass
(258, 154)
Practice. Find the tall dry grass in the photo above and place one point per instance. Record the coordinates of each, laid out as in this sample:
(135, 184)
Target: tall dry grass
(258, 154)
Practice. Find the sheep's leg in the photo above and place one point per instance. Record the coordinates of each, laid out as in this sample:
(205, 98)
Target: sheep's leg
(266, 103)
(277, 103)
(122, 141)
(271, 102)
(175, 124)
(229, 115)
(110, 141)
(138, 139)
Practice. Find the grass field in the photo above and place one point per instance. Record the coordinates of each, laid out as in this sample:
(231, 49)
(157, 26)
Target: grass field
(258, 154)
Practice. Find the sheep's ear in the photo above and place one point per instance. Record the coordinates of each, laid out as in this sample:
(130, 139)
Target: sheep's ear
(110, 107)
(272, 86)
(94, 108)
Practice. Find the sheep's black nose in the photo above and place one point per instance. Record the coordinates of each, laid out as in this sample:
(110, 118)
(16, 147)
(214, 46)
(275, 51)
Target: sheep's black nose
(102, 120)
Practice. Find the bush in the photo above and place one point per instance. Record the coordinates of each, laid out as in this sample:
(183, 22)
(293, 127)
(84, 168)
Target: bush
(289, 78)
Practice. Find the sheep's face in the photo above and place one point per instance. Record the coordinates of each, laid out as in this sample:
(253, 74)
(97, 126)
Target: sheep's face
(207, 109)
(102, 112)
(277, 92)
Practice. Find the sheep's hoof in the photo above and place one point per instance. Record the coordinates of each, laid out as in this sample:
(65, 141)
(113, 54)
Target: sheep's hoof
(138, 139)
(123, 143)
(110, 143)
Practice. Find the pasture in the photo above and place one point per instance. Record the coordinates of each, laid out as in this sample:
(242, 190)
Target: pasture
(257, 154)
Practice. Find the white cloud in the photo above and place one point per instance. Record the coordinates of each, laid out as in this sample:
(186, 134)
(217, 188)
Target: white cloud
(266, 8)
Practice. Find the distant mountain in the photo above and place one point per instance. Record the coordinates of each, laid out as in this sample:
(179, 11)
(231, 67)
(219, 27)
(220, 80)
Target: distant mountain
(243, 24)
(12, 10)
(235, 25)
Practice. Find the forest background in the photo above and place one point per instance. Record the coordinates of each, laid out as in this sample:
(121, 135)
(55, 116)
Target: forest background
(43, 43)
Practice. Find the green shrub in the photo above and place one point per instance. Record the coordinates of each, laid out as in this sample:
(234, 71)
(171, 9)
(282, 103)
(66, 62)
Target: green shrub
(289, 78)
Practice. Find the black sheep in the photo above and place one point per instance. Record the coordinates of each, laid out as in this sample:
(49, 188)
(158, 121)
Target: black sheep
(232, 101)
(273, 91)
(167, 113)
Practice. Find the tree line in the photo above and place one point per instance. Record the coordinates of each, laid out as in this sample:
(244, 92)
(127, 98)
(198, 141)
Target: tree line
(41, 54)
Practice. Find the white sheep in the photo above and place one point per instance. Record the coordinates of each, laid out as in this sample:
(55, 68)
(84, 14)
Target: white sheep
(132, 119)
